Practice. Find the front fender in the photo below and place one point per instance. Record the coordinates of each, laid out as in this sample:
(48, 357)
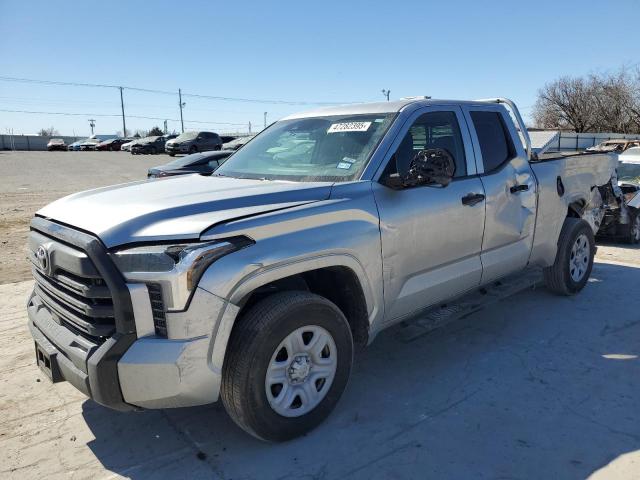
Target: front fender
(264, 276)
(342, 231)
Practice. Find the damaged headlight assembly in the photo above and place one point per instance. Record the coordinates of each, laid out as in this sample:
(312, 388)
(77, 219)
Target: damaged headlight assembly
(177, 268)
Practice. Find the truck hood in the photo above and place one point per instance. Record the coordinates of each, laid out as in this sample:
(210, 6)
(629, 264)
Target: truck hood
(177, 208)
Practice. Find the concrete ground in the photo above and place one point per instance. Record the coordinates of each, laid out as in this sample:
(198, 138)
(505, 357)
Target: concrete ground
(537, 386)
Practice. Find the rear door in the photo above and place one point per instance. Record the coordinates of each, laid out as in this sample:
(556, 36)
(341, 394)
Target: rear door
(431, 236)
(510, 189)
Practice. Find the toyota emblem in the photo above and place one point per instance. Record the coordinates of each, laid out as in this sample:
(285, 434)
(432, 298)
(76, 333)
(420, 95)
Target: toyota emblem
(43, 258)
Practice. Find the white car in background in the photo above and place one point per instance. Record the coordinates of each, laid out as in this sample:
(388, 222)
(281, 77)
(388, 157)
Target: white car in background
(126, 147)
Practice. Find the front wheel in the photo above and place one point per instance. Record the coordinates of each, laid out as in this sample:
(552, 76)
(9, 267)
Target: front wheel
(574, 258)
(193, 149)
(287, 364)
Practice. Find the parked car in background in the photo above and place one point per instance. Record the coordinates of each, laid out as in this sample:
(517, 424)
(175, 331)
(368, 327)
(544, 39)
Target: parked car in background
(112, 145)
(236, 143)
(75, 146)
(227, 138)
(169, 136)
(148, 145)
(618, 145)
(56, 144)
(204, 163)
(622, 216)
(126, 147)
(192, 142)
(89, 144)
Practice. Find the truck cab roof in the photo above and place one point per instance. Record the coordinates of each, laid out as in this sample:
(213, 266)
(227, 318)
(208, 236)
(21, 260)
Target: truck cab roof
(379, 107)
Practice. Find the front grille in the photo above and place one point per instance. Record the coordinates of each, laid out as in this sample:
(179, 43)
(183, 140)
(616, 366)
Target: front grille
(71, 288)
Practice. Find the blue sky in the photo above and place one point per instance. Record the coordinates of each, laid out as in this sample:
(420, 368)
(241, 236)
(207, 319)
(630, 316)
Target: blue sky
(329, 51)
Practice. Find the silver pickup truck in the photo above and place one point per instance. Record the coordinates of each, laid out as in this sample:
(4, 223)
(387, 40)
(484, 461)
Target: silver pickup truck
(255, 283)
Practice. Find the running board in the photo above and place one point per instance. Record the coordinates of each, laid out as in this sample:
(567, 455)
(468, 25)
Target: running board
(437, 317)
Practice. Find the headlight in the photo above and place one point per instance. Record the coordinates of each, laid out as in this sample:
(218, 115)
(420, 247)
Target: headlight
(176, 268)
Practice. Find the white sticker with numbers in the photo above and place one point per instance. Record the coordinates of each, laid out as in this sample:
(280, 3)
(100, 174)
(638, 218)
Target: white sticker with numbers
(349, 127)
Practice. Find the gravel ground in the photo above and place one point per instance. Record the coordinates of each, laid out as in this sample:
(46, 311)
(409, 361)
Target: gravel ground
(30, 180)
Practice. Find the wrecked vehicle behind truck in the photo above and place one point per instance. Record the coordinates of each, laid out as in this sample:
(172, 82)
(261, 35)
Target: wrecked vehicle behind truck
(254, 284)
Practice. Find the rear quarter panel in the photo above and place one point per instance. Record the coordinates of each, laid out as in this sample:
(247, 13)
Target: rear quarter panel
(579, 174)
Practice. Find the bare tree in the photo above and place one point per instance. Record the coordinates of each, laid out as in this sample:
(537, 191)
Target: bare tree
(567, 103)
(597, 103)
(634, 104)
(48, 132)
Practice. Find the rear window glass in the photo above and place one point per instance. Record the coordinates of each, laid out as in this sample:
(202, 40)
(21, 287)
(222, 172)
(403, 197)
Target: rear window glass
(495, 142)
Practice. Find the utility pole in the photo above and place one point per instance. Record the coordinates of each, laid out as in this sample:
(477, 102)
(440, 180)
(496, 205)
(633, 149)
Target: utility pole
(165, 127)
(181, 105)
(265, 119)
(386, 93)
(92, 123)
(249, 128)
(124, 124)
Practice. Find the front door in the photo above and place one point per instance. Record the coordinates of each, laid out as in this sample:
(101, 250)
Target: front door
(431, 236)
(510, 189)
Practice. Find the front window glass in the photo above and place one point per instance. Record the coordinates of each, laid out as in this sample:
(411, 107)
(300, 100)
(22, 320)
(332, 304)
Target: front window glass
(432, 130)
(334, 148)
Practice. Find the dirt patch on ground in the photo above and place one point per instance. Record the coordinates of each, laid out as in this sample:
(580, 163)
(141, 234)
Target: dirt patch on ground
(30, 180)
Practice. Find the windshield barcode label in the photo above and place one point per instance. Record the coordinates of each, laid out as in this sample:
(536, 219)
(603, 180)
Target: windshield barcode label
(349, 127)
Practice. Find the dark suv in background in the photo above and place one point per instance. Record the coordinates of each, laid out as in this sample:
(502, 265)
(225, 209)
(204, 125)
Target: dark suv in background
(148, 145)
(193, 142)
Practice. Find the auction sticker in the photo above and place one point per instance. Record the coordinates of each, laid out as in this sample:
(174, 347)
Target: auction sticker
(349, 127)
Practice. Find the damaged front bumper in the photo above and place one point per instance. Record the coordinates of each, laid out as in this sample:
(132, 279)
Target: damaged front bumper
(96, 331)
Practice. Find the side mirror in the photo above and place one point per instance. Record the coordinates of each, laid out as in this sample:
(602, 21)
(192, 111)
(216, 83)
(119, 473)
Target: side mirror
(428, 167)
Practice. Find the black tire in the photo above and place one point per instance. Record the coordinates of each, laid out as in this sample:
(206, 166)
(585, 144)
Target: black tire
(253, 342)
(631, 232)
(172, 154)
(558, 276)
(193, 149)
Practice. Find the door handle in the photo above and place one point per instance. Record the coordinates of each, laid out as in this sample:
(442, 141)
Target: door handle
(519, 188)
(471, 199)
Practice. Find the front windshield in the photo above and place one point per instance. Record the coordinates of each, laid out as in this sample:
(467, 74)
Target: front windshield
(333, 149)
(186, 136)
(629, 172)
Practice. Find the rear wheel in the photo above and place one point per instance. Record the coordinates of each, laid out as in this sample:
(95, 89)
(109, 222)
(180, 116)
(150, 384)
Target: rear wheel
(574, 258)
(193, 149)
(153, 150)
(287, 364)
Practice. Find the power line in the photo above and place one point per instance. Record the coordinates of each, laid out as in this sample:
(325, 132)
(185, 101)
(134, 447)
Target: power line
(118, 115)
(165, 92)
